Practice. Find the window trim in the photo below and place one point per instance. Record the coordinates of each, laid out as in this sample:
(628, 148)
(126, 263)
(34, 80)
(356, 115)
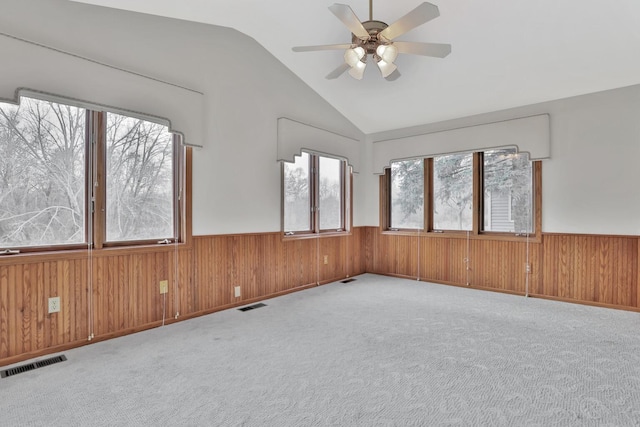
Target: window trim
(474, 186)
(311, 198)
(346, 201)
(477, 231)
(426, 169)
(100, 185)
(343, 195)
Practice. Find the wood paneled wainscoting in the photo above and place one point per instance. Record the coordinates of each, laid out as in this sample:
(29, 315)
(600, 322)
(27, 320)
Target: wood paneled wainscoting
(115, 291)
(111, 292)
(589, 269)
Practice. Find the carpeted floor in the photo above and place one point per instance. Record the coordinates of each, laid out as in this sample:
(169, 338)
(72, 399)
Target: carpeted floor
(378, 351)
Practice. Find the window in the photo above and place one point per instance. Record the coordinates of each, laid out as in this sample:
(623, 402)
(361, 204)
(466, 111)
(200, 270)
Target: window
(453, 192)
(139, 165)
(507, 180)
(314, 195)
(407, 194)
(494, 191)
(70, 177)
(297, 195)
(330, 204)
(42, 174)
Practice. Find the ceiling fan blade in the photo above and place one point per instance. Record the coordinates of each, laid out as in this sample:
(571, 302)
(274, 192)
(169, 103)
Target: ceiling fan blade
(337, 72)
(438, 50)
(418, 16)
(348, 18)
(321, 47)
(393, 76)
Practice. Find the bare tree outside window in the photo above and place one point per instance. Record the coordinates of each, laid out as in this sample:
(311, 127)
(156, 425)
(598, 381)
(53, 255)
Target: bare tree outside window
(407, 194)
(330, 194)
(139, 171)
(42, 174)
(297, 197)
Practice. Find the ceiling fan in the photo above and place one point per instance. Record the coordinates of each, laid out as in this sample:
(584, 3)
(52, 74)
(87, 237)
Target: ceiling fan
(377, 39)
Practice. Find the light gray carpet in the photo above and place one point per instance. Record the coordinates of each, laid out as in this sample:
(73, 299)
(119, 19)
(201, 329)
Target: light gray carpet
(374, 352)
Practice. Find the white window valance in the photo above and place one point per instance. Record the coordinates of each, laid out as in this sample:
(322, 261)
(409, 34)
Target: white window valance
(527, 134)
(45, 69)
(295, 137)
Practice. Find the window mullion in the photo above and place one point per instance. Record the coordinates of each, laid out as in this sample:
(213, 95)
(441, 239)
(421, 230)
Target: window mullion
(99, 177)
(536, 197)
(428, 194)
(478, 190)
(343, 192)
(88, 178)
(385, 200)
(315, 193)
(177, 186)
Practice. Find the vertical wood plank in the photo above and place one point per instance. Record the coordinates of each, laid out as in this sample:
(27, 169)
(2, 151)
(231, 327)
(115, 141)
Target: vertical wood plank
(4, 311)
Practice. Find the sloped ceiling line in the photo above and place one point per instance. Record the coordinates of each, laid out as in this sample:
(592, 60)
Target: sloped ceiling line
(506, 53)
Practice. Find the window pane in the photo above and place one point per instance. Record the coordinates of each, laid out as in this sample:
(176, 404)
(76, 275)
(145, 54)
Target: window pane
(453, 192)
(507, 191)
(139, 180)
(407, 194)
(297, 197)
(42, 170)
(330, 194)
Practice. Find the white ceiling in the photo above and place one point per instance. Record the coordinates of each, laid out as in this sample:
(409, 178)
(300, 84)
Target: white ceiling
(505, 53)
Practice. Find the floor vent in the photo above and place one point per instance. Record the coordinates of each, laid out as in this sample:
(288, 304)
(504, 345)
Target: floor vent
(348, 281)
(31, 366)
(251, 307)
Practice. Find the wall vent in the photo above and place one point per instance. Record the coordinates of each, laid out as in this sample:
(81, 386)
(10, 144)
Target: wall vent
(31, 366)
(251, 307)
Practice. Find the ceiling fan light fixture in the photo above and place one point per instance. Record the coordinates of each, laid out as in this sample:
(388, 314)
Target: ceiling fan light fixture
(354, 55)
(386, 68)
(387, 52)
(357, 71)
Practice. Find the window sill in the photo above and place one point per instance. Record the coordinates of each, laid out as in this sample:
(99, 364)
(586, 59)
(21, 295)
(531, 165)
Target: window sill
(507, 237)
(324, 234)
(75, 253)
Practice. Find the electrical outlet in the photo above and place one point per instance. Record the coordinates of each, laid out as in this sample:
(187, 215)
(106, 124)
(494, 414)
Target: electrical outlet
(164, 286)
(236, 291)
(54, 305)
(527, 267)
(326, 259)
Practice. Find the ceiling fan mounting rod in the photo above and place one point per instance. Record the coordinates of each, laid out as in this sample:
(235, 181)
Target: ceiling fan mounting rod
(370, 10)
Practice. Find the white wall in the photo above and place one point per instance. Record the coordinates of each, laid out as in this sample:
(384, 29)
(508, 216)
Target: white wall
(590, 185)
(236, 179)
(590, 182)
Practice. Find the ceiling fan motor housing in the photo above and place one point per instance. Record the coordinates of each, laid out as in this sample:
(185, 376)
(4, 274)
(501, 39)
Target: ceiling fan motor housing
(370, 45)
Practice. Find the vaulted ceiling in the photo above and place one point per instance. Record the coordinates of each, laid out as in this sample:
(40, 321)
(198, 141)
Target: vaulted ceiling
(505, 53)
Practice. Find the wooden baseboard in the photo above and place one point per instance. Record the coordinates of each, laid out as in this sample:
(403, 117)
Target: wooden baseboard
(589, 303)
(510, 292)
(60, 348)
(458, 285)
